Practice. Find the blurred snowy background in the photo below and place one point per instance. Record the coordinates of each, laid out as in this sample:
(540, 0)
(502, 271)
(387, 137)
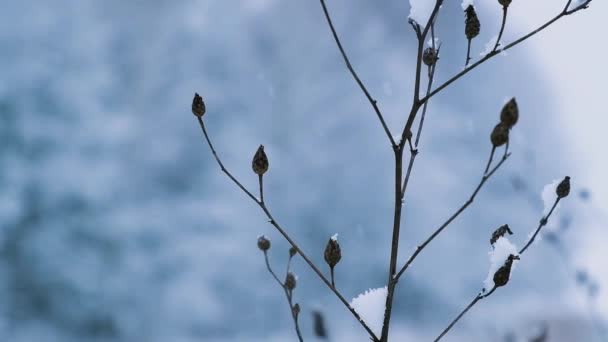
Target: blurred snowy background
(117, 225)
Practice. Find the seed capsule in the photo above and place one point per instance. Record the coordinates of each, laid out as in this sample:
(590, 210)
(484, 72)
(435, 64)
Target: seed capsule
(429, 56)
(333, 254)
(263, 243)
(290, 281)
(504, 3)
(198, 105)
(472, 25)
(292, 251)
(501, 277)
(500, 232)
(509, 113)
(500, 135)
(259, 164)
(563, 189)
(296, 309)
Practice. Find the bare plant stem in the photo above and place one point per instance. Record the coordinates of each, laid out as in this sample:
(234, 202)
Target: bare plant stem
(261, 181)
(563, 13)
(502, 27)
(371, 100)
(541, 224)
(483, 295)
(333, 282)
(419, 249)
(468, 53)
(272, 221)
(288, 295)
(490, 159)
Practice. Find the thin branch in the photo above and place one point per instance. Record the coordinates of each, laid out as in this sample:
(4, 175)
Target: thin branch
(505, 9)
(473, 302)
(371, 100)
(468, 53)
(541, 224)
(288, 295)
(419, 249)
(481, 294)
(333, 282)
(274, 275)
(491, 54)
(261, 181)
(490, 159)
(262, 205)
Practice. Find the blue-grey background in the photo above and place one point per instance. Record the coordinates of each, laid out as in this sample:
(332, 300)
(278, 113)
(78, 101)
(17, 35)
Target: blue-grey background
(117, 225)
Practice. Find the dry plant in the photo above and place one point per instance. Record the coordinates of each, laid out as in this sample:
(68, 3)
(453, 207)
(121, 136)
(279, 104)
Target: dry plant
(499, 137)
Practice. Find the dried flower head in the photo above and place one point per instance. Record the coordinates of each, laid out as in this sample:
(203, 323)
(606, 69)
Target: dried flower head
(263, 243)
(259, 164)
(430, 56)
(563, 189)
(290, 281)
(500, 232)
(500, 135)
(292, 251)
(472, 25)
(501, 277)
(504, 3)
(198, 106)
(296, 310)
(333, 254)
(509, 113)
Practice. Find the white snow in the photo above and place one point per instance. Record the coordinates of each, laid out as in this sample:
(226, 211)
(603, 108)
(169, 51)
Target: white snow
(420, 10)
(498, 255)
(466, 3)
(489, 46)
(335, 237)
(370, 306)
(437, 42)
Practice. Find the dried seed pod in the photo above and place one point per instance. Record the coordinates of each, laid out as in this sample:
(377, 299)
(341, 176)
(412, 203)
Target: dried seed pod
(296, 309)
(500, 232)
(472, 25)
(429, 56)
(263, 243)
(290, 281)
(198, 106)
(259, 164)
(500, 135)
(333, 254)
(563, 189)
(509, 113)
(501, 277)
(292, 251)
(504, 3)
(319, 325)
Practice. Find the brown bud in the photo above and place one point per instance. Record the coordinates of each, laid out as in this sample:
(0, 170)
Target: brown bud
(198, 105)
(263, 243)
(472, 25)
(504, 3)
(509, 113)
(500, 135)
(429, 56)
(290, 281)
(296, 310)
(259, 164)
(333, 254)
(563, 189)
(500, 232)
(501, 277)
(292, 251)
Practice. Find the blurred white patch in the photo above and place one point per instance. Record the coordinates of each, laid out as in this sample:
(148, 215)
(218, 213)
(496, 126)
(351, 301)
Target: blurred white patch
(370, 306)
(466, 3)
(420, 10)
(334, 237)
(549, 196)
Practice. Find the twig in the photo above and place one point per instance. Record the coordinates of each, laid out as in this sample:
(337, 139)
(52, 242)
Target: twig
(490, 159)
(333, 282)
(481, 295)
(541, 224)
(491, 54)
(288, 295)
(261, 181)
(371, 100)
(272, 221)
(419, 249)
(468, 53)
(505, 9)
